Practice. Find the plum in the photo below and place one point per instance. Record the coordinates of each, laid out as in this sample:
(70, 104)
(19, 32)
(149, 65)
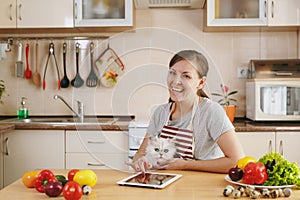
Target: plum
(235, 173)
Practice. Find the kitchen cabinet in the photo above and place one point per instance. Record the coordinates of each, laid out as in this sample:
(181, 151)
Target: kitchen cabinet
(257, 144)
(86, 149)
(1, 162)
(253, 13)
(25, 150)
(36, 14)
(287, 143)
(88, 13)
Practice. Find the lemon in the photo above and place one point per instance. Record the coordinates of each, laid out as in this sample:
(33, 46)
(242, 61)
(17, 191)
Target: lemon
(86, 177)
(244, 161)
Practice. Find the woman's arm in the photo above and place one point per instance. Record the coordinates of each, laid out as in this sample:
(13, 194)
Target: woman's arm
(231, 148)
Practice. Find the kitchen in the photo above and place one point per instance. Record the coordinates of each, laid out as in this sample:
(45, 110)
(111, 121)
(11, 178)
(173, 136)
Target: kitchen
(139, 88)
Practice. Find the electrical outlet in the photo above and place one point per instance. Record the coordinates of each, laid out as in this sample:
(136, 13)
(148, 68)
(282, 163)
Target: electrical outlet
(242, 72)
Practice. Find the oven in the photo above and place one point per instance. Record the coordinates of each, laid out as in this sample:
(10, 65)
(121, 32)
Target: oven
(137, 132)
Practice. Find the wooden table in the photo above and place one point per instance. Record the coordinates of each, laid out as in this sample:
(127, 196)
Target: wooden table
(192, 185)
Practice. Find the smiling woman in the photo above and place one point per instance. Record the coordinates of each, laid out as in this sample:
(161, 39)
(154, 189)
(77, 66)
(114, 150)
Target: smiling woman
(191, 116)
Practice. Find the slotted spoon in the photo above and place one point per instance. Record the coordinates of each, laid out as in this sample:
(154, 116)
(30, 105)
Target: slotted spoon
(92, 79)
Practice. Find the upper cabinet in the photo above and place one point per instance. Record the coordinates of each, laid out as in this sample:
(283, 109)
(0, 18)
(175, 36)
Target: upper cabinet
(253, 13)
(36, 14)
(103, 13)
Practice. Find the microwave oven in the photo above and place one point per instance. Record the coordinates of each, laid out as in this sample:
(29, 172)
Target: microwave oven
(273, 99)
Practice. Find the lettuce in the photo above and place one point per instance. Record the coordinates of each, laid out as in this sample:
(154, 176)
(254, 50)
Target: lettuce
(282, 172)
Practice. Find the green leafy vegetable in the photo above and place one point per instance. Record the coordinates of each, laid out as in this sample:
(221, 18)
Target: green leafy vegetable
(280, 171)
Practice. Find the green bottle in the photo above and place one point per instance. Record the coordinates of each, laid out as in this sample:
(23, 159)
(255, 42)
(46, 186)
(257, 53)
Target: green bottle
(23, 112)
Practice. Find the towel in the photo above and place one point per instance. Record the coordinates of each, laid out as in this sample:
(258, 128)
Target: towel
(2, 51)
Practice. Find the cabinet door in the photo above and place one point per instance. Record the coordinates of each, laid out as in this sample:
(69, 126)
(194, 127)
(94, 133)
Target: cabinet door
(99, 13)
(44, 13)
(287, 143)
(236, 13)
(8, 14)
(283, 12)
(26, 150)
(257, 144)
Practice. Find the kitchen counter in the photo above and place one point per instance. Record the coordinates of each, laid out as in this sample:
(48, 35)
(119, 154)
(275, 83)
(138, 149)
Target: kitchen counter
(192, 185)
(6, 127)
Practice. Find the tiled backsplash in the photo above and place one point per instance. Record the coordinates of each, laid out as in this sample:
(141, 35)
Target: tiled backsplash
(145, 53)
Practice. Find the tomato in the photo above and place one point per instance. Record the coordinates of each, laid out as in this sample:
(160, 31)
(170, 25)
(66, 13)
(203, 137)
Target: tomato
(71, 174)
(244, 161)
(86, 177)
(72, 191)
(29, 177)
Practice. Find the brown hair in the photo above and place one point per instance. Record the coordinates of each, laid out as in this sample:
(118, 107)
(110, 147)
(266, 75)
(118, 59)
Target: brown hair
(197, 60)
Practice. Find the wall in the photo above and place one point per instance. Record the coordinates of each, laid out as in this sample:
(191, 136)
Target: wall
(145, 53)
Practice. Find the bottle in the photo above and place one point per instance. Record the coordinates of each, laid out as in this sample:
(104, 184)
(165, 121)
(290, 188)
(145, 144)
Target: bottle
(23, 112)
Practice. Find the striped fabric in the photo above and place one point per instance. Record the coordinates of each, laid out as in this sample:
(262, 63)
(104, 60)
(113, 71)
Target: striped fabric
(183, 140)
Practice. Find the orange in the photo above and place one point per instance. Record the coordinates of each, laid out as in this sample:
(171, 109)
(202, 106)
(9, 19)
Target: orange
(29, 177)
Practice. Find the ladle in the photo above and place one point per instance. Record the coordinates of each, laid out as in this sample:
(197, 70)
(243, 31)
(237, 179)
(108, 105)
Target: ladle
(64, 83)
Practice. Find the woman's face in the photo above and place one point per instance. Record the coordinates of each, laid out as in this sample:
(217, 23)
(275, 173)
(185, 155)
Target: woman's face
(183, 81)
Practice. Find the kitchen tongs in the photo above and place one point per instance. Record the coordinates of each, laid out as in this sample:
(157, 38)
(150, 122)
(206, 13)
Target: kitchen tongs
(51, 52)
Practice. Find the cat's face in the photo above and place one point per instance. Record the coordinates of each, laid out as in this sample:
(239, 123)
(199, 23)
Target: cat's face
(161, 148)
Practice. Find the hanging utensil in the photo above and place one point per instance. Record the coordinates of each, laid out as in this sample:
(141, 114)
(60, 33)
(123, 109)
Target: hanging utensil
(28, 72)
(36, 77)
(110, 67)
(51, 52)
(64, 83)
(77, 81)
(92, 79)
(19, 67)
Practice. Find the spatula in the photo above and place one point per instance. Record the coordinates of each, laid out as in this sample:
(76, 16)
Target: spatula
(28, 72)
(19, 68)
(36, 76)
(77, 81)
(92, 79)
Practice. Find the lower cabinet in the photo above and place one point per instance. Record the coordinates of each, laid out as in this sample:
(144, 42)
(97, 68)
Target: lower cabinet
(96, 149)
(1, 162)
(287, 143)
(257, 144)
(25, 150)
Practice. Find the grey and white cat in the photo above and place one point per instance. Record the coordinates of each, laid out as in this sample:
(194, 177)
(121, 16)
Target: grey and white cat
(160, 150)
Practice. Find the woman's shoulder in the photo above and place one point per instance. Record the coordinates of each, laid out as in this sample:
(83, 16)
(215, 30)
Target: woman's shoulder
(207, 103)
(162, 108)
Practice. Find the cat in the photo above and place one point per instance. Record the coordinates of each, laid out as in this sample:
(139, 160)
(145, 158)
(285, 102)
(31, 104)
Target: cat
(160, 150)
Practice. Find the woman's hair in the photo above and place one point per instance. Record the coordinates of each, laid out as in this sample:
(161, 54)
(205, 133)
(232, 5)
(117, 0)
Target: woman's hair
(198, 61)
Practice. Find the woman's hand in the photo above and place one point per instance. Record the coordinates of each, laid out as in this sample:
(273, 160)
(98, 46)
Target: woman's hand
(175, 163)
(140, 165)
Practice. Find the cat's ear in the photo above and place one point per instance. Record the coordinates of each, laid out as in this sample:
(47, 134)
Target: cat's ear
(154, 138)
(172, 140)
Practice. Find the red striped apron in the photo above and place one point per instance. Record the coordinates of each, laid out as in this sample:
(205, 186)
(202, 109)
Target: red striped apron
(184, 138)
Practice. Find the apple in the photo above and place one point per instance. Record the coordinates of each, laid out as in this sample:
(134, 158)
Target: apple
(235, 173)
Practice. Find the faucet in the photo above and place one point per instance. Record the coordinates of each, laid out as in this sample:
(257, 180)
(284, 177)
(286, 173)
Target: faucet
(79, 114)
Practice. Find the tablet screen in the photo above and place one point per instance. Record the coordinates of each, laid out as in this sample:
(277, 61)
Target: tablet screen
(150, 179)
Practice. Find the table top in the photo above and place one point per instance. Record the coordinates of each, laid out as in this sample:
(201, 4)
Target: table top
(192, 185)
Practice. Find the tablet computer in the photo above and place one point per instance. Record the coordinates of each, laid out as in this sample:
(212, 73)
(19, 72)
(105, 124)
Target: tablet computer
(150, 180)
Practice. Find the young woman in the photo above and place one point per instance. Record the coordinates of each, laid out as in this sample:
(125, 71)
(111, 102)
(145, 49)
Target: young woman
(205, 137)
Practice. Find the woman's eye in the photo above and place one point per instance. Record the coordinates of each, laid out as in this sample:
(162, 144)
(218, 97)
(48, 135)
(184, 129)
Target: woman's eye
(172, 72)
(156, 149)
(187, 76)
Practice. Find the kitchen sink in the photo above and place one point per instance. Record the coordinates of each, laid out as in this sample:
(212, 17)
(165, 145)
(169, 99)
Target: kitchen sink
(69, 120)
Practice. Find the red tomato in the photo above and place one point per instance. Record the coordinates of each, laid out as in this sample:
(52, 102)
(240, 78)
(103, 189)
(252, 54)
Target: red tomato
(72, 191)
(72, 173)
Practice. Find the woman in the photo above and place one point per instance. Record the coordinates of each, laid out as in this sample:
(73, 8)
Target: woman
(213, 145)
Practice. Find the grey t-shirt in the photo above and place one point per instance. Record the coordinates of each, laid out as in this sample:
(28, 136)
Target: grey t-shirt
(210, 121)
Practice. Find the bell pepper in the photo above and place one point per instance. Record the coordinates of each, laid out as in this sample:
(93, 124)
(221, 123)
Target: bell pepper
(255, 173)
(44, 177)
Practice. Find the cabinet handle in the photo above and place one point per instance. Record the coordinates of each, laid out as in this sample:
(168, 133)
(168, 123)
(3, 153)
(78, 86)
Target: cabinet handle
(20, 15)
(10, 12)
(270, 146)
(96, 164)
(93, 142)
(272, 9)
(281, 147)
(265, 8)
(6, 147)
(76, 11)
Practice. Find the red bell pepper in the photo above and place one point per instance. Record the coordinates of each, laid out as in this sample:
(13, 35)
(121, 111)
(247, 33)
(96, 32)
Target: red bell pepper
(44, 177)
(255, 173)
